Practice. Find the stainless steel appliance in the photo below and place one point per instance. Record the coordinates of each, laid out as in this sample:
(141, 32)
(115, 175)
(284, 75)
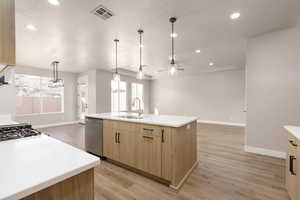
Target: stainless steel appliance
(94, 136)
(17, 131)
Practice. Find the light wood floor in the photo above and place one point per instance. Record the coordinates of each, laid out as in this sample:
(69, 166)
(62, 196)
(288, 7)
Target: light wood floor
(225, 171)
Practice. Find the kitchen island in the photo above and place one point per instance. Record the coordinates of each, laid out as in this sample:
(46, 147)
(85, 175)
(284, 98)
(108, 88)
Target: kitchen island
(40, 167)
(161, 147)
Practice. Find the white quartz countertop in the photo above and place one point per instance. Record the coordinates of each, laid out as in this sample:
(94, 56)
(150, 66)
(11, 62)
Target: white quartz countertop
(160, 120)
(28, 165)
(295, 130)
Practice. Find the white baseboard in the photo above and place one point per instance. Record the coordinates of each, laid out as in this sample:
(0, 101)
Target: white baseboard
(56, 124)
(265, 152)
(221, 123)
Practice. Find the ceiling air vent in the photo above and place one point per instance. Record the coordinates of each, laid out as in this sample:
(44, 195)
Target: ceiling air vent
(102, 12)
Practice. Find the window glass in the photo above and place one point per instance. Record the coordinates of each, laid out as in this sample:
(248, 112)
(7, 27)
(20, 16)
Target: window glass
(118, 96)
(35, 97)
(137, 92)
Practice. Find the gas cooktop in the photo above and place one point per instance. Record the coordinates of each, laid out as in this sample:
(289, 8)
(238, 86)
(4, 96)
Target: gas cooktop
(17, 131)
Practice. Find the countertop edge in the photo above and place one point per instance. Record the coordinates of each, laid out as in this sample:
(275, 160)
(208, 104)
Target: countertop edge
(290, 128)
(50, 182)
(143, 122)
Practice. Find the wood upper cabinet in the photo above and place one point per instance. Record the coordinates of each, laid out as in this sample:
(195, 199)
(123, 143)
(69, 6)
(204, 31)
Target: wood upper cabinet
(7, 33)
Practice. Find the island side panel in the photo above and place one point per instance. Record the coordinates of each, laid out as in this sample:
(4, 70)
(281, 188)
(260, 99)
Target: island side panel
(78, 187)
(184, 152)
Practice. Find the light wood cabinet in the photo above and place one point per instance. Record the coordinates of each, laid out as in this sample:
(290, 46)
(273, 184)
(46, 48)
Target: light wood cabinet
(149, 150)
(167, 153)
(291, 179)
(111, 147)
(7, 33)
(128, 145)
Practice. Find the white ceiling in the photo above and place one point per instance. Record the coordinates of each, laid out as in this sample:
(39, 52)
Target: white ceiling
(81, 41)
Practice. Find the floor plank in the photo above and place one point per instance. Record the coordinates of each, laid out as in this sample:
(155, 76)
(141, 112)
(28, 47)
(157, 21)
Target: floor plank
(225, 171)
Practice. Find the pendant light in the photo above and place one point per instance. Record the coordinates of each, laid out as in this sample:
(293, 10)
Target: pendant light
(116, 75)
(172, 69)
(55, 82)
(140, 73)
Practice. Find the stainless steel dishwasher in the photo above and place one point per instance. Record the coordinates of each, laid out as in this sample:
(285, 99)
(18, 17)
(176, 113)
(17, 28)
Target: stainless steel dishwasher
(94, 136)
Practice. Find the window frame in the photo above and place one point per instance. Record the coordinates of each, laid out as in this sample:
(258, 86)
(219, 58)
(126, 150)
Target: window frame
(40, 96)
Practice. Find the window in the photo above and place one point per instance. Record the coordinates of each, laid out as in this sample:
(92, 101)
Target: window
(137, 92)
(118, 96)
(35, 97)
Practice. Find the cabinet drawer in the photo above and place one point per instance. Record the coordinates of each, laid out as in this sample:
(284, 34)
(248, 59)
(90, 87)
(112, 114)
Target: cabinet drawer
(151, 131)
(292, 141)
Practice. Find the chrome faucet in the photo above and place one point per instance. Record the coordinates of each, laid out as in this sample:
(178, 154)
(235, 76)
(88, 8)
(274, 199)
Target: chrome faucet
(140, 110)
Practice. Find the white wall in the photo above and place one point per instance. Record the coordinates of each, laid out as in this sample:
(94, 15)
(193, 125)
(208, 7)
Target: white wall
(7, 100)
(70, 99)
(100, 91)
(217, 96)
(273, 88)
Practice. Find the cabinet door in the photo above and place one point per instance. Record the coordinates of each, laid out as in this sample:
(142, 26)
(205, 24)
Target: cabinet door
(166, 171)
(128, 146)
(291, 179)
(110, 143)
(149, 150)
(7, 33)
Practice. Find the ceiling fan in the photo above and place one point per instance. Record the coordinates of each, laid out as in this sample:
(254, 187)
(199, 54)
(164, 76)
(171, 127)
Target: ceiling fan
(173, 67)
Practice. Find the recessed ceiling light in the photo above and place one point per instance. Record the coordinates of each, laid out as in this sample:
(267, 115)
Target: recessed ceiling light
(54, 2)
(211, 64)
(31, 27)
(174, 35)
(198, 51)
(235, 15)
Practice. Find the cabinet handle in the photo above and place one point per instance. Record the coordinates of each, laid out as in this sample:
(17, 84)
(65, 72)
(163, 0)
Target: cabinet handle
(116, 140)
(147, 137)
(163, 135)
(148, 129)
(292, 158)
(292, 143)
(118, 137)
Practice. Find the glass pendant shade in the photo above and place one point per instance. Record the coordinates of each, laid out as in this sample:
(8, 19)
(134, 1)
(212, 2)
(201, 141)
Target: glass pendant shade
(172, 70)
(116, 76)
(55, 82)
(140, 74)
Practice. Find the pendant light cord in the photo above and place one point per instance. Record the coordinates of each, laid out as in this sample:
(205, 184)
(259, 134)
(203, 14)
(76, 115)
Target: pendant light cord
(140, 50)
(172, 42)
(116, 41)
